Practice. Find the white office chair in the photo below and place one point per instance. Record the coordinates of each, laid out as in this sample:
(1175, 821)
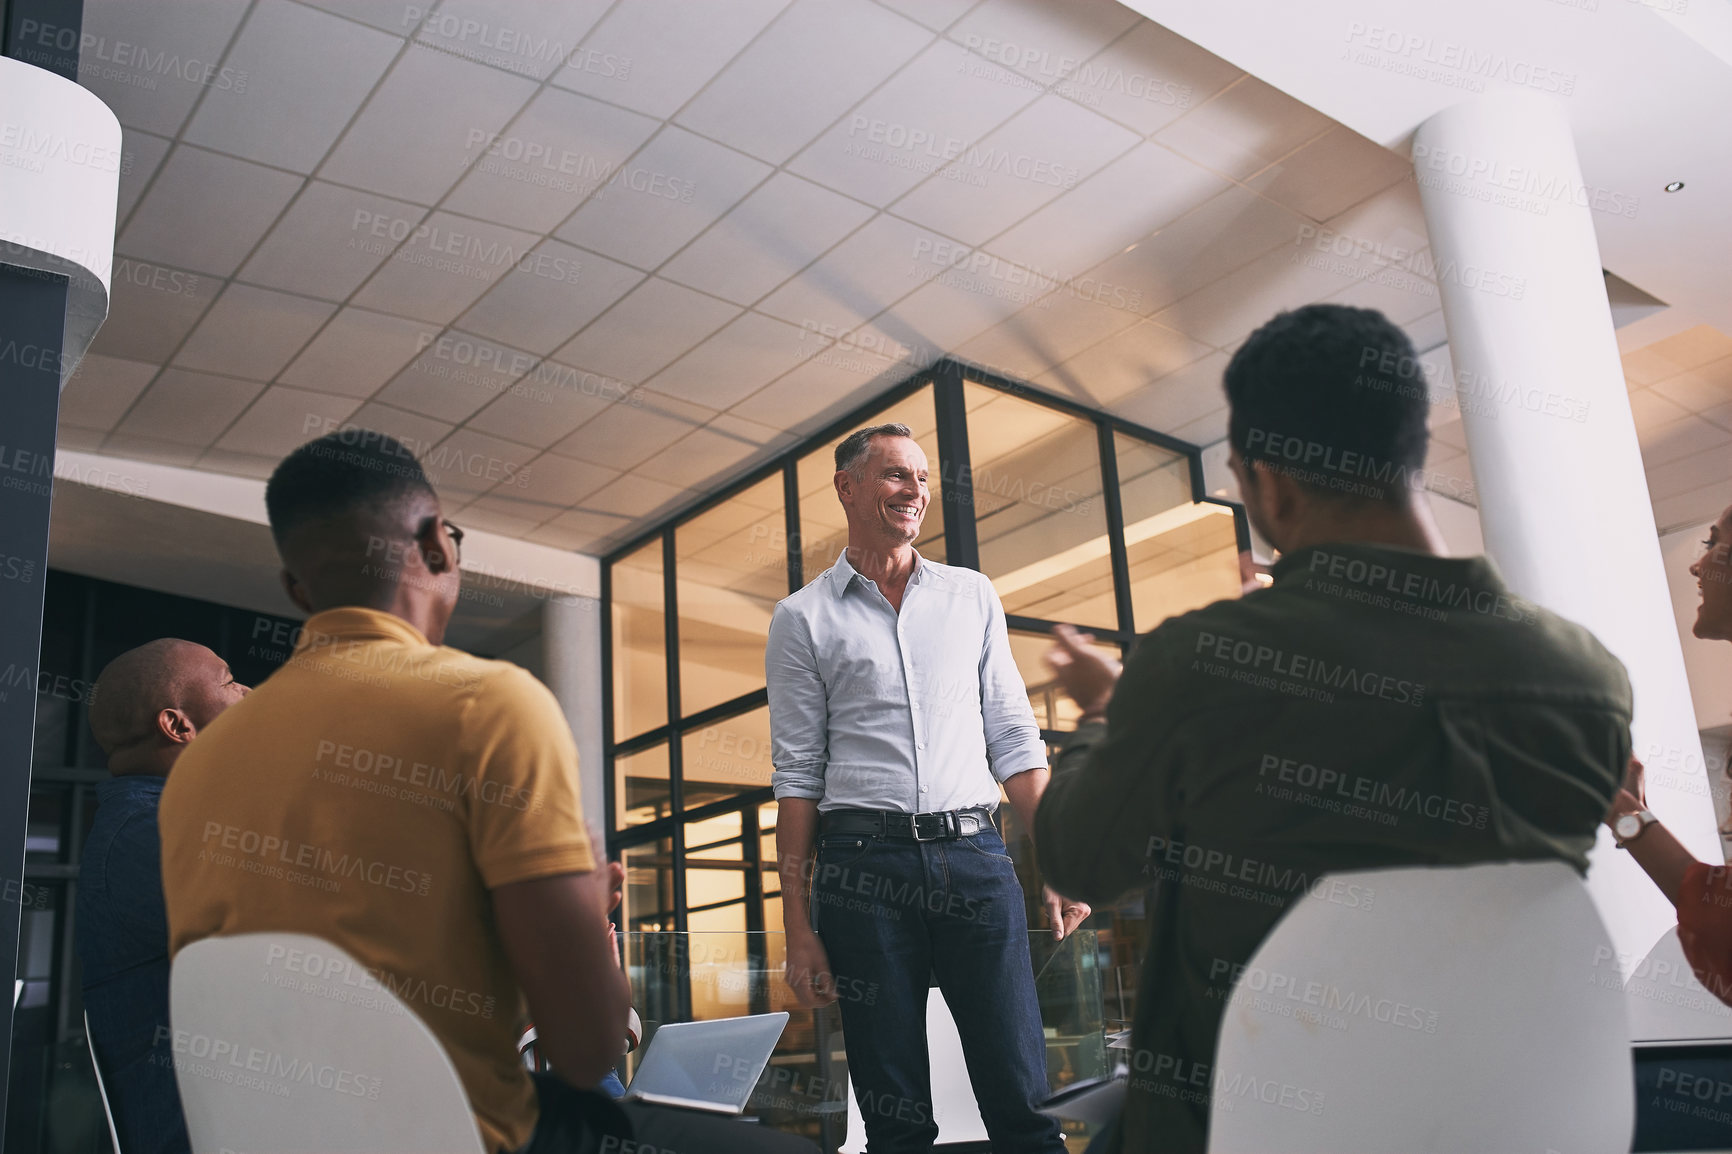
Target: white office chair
(285, 1068)
(1461, 1010)
(101, 1087)
(953, 1104)
(1667, 1003)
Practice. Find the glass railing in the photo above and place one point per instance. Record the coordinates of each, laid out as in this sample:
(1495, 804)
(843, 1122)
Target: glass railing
(803, 1090)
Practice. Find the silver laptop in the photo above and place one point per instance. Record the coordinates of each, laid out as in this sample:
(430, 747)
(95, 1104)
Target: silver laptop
(707, 1065)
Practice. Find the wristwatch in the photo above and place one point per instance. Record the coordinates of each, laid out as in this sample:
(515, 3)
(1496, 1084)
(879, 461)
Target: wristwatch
(1627, 827)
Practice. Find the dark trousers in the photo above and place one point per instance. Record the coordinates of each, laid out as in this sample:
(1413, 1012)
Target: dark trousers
(893, 915)
(577, 1121)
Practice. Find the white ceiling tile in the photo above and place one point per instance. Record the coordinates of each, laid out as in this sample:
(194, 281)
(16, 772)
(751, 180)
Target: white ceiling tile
(685, 410)
(252, 333)
(472, 462)
(822, 387)
(455, 375)
(149, 62)
(140, 156)
(582, 530)
(283, 418)
(653, 55)
(773, 234)
(101, 389)
(73, 437)
(736, 362)
(410, 139)
(1208, 429)
(859, 278)
(1706, 387)
(307, 73)
(548, 296)
(188, 408)
(1124, 363)
(1043, 41)
(925, 115)
(1651, 410)
(238, 464)
(935, 14)
(558, 481)
(504, 515)
(1225, 234)
(655, 323)
(1687, 473)
(1663, 444)
(150, 449)
(534, 172)
(810, 66)
(205, 211)
(1173, 401)
(1392, 290)
(668, 193)
(699, 457)
(549, 403)
(152, 309)
(1338, 169)
(1055, 328)
(357, 352)
(330, 240)
(944, 314)
(1239, 302)
(397, 19)
(1140, 192)
(444, 267)
(1246, 127)
(635, 496)
(418, 434)
(1147, 78)
(742, 429)
(624, 435)
(1051, 146)
(528, 37)
(1693, 508)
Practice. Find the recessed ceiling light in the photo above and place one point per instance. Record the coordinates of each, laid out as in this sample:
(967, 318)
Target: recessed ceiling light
(1675, 186)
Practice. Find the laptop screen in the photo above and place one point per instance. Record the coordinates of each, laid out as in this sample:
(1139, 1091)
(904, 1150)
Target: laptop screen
(707, 1065)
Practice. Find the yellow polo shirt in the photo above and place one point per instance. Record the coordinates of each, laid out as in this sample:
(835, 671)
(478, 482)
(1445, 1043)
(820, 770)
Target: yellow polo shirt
(371, 792)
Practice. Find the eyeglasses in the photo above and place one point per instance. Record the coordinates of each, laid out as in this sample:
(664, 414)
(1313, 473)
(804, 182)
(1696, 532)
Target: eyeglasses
(456, 540)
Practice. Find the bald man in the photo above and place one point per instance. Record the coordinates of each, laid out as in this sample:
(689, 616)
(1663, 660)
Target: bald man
(148, 705)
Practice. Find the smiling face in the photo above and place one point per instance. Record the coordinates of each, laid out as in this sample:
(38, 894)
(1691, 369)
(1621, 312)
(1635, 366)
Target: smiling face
(885, 495)
(1713, 573)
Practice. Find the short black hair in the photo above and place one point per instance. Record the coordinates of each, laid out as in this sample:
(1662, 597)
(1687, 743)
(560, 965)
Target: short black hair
(341, 472)
(855, 445)
(1334, 397)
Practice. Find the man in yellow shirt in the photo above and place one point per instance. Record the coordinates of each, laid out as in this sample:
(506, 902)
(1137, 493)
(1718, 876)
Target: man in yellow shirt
(418, 807)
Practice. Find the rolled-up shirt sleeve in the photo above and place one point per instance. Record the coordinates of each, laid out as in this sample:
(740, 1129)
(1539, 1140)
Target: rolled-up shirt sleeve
(799, 733)
(1013, 741)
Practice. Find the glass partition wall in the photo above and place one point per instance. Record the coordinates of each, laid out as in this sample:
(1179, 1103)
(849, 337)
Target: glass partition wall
(1078, 517)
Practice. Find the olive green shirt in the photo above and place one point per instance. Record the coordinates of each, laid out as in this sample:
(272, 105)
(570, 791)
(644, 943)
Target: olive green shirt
(1374, 707)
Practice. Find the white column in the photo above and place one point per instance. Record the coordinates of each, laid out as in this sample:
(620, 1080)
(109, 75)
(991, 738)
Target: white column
(571, 665)
(1563, 498)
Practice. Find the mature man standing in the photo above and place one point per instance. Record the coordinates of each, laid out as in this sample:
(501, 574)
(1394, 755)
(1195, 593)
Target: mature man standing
(896, 712)
(148, 705)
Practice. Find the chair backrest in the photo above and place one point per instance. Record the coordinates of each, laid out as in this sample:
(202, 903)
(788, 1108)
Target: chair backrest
(282, 1042)
(1667, 1003)
(953, 1104)
(1428, 1011)
(101, 1087)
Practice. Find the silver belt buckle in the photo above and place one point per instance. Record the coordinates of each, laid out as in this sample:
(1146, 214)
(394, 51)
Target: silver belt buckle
(931, 820)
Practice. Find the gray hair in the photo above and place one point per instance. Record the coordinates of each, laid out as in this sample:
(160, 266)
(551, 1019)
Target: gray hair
(852, 451)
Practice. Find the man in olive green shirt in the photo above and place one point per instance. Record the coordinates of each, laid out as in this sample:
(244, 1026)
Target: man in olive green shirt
(1378, 705)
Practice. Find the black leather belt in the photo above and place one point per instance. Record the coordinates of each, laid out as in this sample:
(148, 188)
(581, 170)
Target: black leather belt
(945, 825)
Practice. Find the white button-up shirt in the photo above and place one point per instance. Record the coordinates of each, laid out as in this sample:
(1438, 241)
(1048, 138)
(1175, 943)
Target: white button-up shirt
(916, 712)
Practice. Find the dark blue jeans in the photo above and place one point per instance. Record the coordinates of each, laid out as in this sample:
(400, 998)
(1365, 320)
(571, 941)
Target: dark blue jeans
(894, 916)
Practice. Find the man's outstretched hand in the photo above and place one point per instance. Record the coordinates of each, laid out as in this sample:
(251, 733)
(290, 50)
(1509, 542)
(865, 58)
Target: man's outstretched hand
(1084, 672)
(1062, 914)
